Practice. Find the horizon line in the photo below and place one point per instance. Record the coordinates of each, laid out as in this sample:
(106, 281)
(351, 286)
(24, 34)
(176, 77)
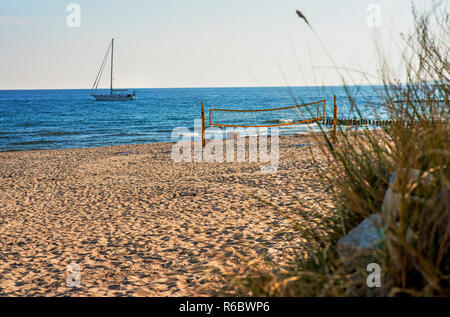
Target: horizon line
(196, 87)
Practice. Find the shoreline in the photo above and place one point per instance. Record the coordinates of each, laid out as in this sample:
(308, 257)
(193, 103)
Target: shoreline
(312, 134)
(315, 133)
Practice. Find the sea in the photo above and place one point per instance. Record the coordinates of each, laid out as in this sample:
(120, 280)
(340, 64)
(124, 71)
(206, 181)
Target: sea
(63, 119)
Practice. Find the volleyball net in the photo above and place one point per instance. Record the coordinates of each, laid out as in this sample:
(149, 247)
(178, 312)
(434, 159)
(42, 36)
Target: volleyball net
(262, 118)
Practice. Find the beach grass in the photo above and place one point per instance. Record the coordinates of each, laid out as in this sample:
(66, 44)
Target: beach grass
(414, 256)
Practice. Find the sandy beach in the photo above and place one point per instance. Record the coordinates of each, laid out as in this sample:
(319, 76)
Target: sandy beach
(139, 224)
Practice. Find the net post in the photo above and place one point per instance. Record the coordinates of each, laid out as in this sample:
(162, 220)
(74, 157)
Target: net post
(334, 119)
(203, 127)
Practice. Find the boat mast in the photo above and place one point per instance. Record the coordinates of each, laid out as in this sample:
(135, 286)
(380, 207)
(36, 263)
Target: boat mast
(112, 60)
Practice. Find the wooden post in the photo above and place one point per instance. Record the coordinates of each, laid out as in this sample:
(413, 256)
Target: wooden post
(334, 120)
(203, 127)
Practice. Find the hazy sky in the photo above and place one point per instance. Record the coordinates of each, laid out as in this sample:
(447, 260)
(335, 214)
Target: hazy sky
(193, 43)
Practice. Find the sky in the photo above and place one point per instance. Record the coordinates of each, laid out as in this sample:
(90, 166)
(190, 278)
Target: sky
(198, 43)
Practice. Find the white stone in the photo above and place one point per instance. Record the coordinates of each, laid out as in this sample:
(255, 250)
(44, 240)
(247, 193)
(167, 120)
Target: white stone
(364, 238)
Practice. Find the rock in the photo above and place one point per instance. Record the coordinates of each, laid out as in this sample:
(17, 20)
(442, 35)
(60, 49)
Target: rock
(411, 178)
(362, 240)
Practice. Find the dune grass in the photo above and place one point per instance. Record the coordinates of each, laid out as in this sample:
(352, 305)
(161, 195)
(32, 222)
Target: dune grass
(414, 256)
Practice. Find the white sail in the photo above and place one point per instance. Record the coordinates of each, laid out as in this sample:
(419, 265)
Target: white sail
(114, 95)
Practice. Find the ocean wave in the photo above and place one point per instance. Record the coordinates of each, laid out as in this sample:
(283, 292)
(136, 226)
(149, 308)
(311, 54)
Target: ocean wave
(31, 142)
(162, 130)
(56, 133)
(300, 125)
(130, 134)
(190, 134)
(279, 121)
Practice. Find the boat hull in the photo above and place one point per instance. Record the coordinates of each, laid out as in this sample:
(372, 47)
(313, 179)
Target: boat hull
(113, 97)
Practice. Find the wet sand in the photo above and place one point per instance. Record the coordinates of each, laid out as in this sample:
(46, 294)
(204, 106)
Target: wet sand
(139, 224)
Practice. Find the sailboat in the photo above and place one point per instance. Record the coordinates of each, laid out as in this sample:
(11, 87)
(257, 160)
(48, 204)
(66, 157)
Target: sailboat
(114, 94)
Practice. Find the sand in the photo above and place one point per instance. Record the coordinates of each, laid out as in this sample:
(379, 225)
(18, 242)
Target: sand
(139, 224)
